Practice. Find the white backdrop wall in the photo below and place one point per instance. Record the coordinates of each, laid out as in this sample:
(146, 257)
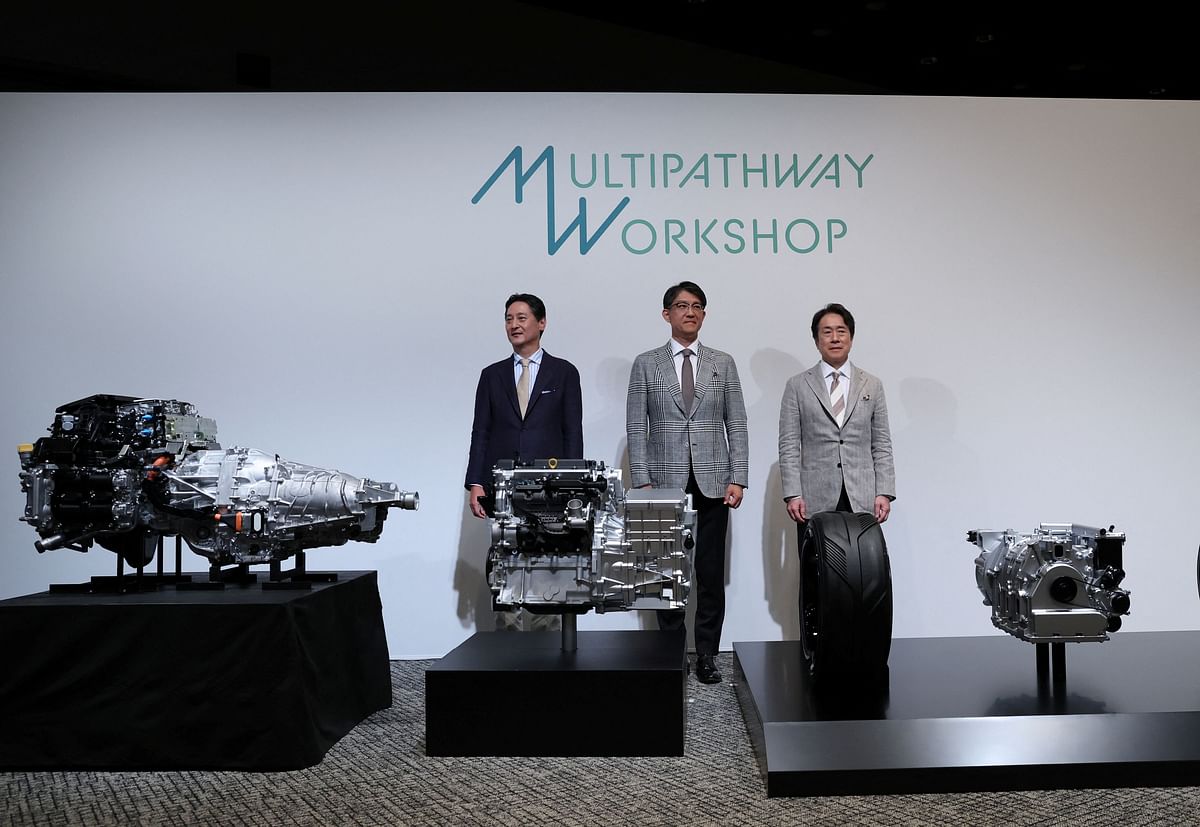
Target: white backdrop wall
(310, 270)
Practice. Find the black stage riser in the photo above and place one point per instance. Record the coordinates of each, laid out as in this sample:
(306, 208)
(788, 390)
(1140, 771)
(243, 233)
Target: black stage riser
(960, 714)
(518, 693)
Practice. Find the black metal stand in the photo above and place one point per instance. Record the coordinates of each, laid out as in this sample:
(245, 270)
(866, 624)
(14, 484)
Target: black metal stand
(1051, 664)
(298, 577)
(139, 581)
(218, 577)
(570, 640)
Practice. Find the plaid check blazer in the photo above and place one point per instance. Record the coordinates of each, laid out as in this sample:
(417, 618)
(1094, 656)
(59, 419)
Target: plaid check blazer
(666, 442)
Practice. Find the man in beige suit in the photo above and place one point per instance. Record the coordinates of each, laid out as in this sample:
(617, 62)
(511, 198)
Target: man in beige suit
(835, 449)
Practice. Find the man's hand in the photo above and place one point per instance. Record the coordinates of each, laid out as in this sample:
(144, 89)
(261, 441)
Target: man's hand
(797, 510)
(733, 495)
(883, 507)
(473, 502)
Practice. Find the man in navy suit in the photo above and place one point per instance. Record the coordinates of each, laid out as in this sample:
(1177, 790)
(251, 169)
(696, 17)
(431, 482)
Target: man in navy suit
(527, 406)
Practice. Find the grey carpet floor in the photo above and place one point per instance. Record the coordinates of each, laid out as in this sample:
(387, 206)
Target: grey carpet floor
(379, 774)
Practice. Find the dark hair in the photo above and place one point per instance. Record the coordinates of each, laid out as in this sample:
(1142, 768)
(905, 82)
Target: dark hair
(674, 291)
(836, 309)
(535, 304)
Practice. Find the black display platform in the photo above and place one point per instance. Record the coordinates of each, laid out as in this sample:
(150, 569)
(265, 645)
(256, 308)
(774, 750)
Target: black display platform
(241, 678)
(506, 693)
(970, 714)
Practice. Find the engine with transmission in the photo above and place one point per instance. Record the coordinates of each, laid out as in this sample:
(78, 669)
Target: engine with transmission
(122, 472)
(567, 537)
(1059, 583)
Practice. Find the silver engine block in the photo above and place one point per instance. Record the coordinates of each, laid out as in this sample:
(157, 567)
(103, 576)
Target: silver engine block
(567, 537)
(122, 471)
(1058, 584)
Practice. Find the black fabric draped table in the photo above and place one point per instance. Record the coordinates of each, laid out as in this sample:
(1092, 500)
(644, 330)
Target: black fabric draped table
(241, 678)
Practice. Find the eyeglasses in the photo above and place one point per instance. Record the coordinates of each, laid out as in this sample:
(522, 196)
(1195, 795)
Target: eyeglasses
(681, 307)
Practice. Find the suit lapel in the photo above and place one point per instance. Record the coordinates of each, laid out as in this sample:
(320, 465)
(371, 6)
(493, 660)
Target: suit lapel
(704, 375)
(544, 377)
(856, 386)
(510, 387)
(666, 366)
(816, 383)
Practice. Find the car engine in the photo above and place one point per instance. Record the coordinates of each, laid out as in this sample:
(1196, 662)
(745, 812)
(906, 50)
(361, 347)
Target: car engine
(567, 537)
(1059, 583)
(122, 472)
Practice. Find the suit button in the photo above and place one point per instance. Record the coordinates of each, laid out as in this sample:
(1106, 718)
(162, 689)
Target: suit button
(839, 465)
(841, 442)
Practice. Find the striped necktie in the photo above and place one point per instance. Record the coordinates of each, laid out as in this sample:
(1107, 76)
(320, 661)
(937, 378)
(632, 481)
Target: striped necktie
(837, 398)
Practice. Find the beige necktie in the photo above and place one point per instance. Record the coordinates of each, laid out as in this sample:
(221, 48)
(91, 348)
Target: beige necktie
(837, 398)
(688, 383)
(523, 387)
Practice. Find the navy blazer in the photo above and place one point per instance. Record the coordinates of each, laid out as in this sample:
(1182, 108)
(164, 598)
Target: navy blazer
(553, 423)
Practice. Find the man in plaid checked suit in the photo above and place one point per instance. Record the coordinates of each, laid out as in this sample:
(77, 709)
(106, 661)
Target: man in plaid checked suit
(686, 422)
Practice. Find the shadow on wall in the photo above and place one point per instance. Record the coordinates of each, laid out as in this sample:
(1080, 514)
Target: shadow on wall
(941, 488)
(771, 370)
(470, 578)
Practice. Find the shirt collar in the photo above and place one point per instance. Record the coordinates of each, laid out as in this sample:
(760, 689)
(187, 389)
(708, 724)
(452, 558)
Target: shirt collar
(677, 348)
(827, 369)
(536, 358)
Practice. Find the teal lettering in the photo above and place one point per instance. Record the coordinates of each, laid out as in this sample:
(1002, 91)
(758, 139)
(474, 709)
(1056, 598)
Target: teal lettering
(835, 176)
(747, 169)
(816, 236)
(575, 179)
(668, 168)
(703, 236)
(796, 180)
(676, 236)
(633, 158)
(725, 158)
(691, 173)
(829, 233)
(857, 168)
(729, 232)
(773, 235)
(630, 247)
(608, 182)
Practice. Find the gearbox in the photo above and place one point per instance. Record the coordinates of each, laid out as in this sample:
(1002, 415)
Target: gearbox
(567, 537)
(1059, 583)
(121, 472)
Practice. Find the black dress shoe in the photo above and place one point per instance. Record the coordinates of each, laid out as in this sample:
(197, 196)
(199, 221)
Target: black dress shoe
(706, 669)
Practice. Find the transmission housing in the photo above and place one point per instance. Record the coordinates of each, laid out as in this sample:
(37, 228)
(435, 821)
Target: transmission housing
(122, 471)
(1058, 583)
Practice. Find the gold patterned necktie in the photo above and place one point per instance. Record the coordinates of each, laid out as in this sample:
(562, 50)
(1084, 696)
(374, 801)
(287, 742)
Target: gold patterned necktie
(837, 399)
(523, 387)
(688, 383)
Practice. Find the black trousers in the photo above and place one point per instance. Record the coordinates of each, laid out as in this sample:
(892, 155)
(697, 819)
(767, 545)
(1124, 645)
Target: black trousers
(708, 574)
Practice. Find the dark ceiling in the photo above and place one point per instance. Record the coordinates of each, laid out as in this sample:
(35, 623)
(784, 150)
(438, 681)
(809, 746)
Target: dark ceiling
(986, 48)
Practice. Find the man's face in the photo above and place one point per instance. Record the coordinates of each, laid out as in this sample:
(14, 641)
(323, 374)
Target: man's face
(523, 328)
(834, 339)
(685, 315)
